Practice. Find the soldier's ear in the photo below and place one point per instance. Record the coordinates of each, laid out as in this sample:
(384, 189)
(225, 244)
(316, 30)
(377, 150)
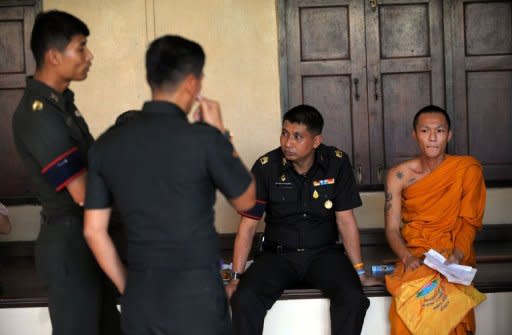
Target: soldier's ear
(317, 140)
(52, 57)
(192, 84)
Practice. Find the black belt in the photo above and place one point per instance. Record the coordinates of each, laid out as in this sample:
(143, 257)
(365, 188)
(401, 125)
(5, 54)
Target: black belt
(280, 249)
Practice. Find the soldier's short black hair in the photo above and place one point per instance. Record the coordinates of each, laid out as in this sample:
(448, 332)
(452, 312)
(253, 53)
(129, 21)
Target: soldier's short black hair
(431, 109)
(170, 58)
(54, 29)
(306, 115)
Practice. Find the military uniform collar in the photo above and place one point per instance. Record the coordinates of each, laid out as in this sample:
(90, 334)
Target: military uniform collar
(321, 160)
(321, 157)
(168, 108)
(49, 94)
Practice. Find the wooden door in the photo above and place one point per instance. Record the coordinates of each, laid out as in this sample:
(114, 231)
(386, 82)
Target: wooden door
(326, 69)
(16, 62)
(482, 60)
(404, 46)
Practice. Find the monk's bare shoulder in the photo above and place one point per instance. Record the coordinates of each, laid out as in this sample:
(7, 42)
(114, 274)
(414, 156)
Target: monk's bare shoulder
(402, 175)
(415, 171)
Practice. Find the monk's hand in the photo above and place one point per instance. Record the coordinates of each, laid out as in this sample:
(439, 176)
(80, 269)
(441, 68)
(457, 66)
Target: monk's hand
(411, 262)
(455, 258)
(370, 281)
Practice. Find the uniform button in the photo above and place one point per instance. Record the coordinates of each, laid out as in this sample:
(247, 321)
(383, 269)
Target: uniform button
(305, 214)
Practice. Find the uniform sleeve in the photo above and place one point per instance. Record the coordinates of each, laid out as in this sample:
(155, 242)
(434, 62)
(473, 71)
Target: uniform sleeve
(228, 172)
(347, 194)
(258, 210)
(98, 195)
(46, 137)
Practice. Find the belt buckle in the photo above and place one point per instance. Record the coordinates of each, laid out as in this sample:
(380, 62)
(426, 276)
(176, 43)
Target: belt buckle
(300, 250)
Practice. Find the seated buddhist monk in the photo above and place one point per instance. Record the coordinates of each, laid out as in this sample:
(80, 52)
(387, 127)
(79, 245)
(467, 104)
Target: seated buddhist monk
(440, 199)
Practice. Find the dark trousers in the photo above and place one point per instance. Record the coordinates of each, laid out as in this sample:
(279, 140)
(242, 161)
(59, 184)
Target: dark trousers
(326, 269)
(162, 301)
(81, 300)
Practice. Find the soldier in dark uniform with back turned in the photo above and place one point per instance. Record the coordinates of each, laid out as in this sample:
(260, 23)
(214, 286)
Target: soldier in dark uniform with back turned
(53, 140)
(307, 191)
(162, 172)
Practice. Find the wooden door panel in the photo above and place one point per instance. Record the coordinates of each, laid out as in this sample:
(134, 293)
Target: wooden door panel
(11, 48)
(16, 63)
(404, 44)
(403, 29)
(326, 68)
(483, 84)
(403, 95)
(332, 93)
(326, 41)
(488, 28)
(490, 120)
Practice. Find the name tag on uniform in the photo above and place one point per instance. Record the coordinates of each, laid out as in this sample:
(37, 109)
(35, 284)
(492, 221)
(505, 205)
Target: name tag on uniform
(323, 182)
(280, 184)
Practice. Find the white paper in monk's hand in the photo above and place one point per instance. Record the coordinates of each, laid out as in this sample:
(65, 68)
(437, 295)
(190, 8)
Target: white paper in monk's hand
(455, 273)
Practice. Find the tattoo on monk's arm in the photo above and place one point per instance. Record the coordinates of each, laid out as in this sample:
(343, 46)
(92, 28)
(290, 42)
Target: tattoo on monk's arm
(387, 206)
(399, 174)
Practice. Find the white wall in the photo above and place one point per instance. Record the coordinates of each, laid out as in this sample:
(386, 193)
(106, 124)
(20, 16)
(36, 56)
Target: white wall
(293, 317)
(25, 219)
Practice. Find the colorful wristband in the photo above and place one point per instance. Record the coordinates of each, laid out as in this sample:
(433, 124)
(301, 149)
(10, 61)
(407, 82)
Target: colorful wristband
(361, 272)
(359, 266)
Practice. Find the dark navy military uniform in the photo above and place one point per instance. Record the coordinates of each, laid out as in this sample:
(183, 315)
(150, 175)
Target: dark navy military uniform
(300, 242)
(53, 139)
(163, 172)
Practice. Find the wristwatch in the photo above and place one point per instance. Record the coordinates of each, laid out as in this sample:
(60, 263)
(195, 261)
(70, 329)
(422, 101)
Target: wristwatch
(235, 275)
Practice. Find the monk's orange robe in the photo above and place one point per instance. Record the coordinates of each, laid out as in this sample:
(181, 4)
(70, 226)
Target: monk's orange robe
(441, 211)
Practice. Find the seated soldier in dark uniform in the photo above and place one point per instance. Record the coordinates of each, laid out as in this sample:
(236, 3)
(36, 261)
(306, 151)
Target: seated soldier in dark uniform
(53, 139)
(162, 173)
(307, 191)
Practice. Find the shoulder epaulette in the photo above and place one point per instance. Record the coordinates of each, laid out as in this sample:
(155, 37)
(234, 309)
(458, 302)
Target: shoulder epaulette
(273, 156)
(264, 160)
(37, 105)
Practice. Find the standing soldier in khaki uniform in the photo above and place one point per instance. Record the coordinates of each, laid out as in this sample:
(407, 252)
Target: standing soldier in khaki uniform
(53, 139)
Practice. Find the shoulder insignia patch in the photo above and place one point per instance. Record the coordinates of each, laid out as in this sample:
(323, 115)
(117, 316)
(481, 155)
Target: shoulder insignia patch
(338, 153)
(264, 160)
(37, 105)
(54, 97)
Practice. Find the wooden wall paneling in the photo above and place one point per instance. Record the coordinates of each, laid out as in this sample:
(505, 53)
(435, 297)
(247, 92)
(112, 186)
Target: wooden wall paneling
(404, 42)
(483, 84)
(16, 62)
(326, 68)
